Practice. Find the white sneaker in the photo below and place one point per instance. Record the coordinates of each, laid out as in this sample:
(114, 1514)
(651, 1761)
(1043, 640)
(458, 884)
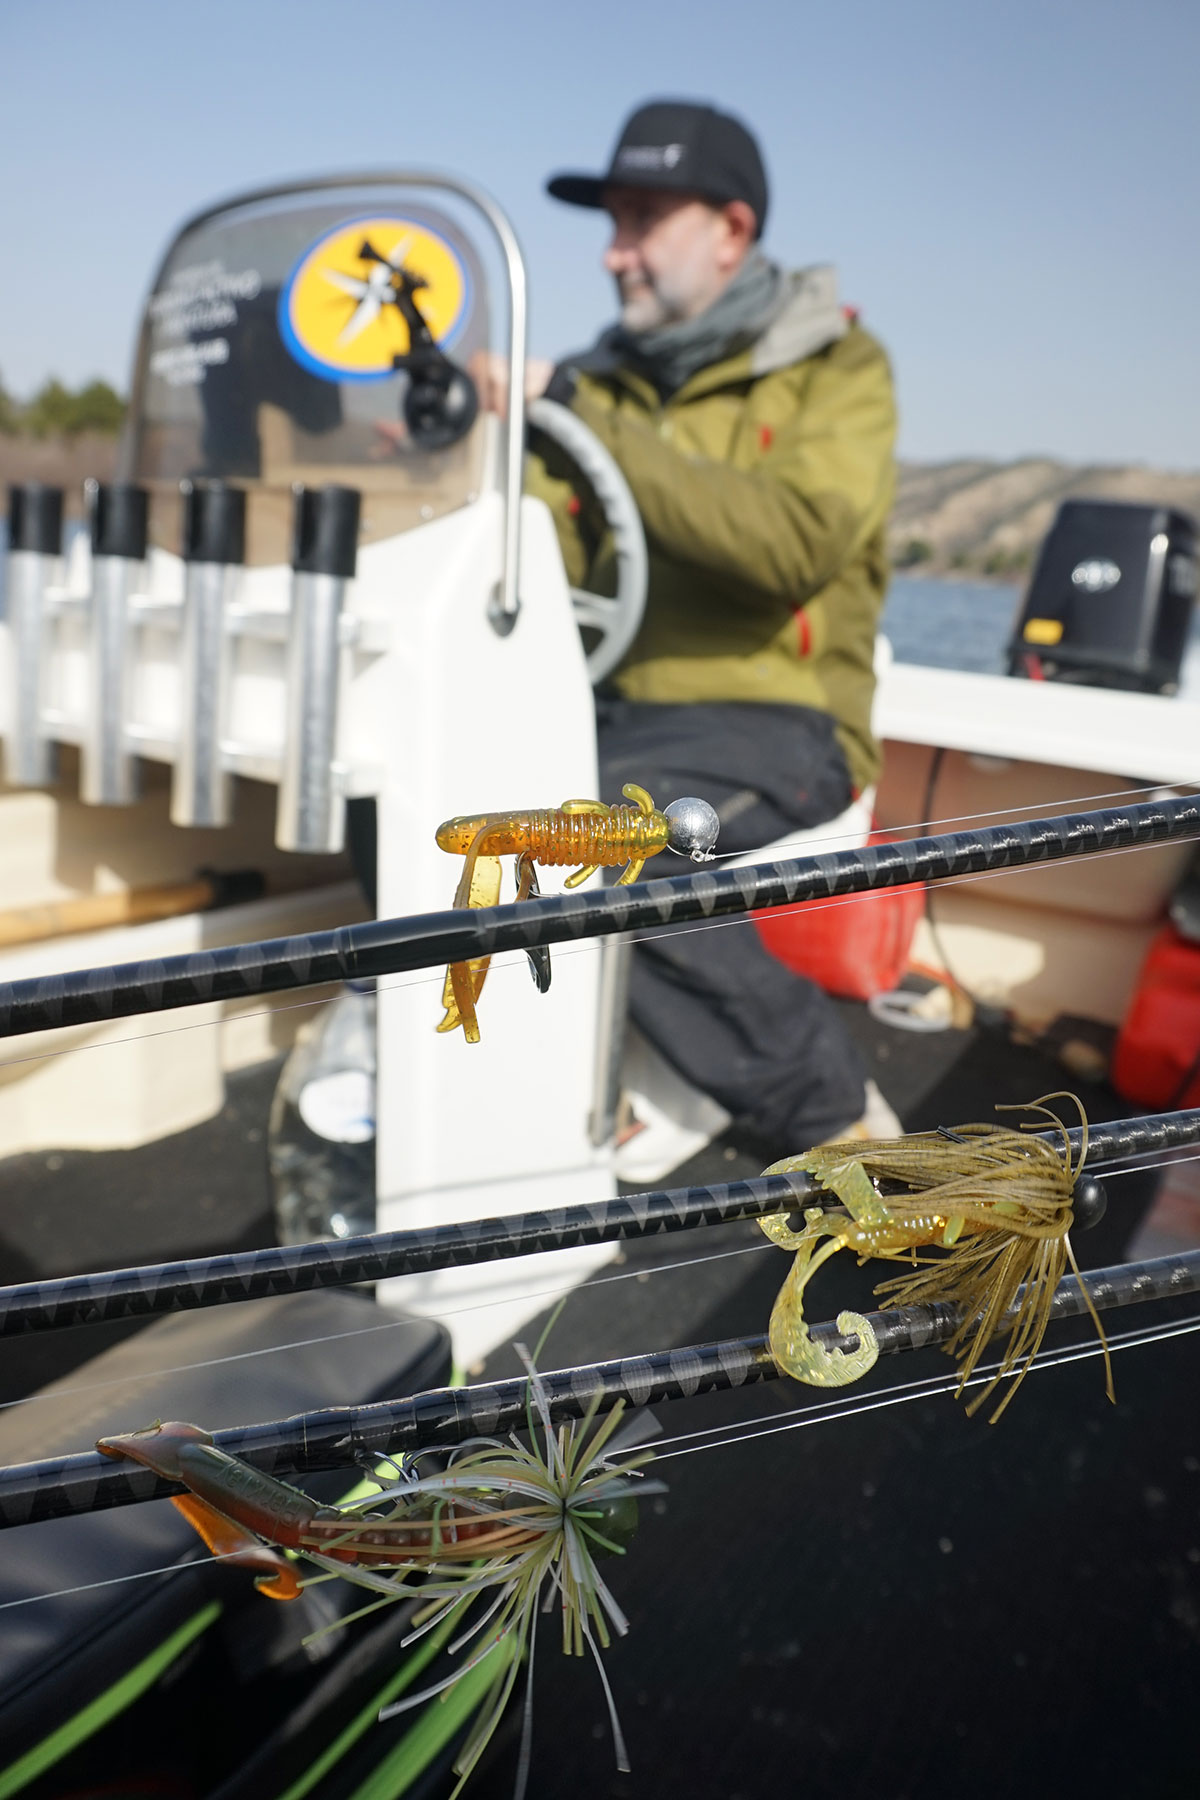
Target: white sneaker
(672, 1119)
(879, 1119)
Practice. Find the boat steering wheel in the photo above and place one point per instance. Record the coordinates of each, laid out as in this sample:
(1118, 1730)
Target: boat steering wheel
(612, 620)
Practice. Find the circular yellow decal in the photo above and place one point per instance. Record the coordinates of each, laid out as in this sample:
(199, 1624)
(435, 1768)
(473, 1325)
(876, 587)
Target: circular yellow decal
(350, 305)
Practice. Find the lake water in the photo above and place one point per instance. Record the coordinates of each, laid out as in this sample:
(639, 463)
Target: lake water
(966, 625)
(950, 624)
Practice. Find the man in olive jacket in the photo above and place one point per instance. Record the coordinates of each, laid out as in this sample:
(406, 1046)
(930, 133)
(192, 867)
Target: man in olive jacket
(754, 421)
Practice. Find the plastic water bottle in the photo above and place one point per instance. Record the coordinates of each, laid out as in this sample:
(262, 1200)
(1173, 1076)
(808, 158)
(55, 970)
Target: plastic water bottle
(321, 1137)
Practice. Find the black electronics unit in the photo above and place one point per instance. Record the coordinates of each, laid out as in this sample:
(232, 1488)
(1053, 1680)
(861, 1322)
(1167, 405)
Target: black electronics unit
(1110, 602)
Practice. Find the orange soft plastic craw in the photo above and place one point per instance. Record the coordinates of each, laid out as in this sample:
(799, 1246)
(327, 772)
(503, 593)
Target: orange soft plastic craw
(579, 831)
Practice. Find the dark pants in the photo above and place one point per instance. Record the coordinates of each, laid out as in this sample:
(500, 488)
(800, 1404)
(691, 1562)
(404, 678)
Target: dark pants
(767, 1044)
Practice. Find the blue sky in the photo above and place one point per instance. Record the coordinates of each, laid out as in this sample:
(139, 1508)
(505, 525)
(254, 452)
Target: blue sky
(1010, 191)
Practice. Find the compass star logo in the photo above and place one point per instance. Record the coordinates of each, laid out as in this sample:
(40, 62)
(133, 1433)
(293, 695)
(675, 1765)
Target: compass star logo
(349, 307)
(382, 287)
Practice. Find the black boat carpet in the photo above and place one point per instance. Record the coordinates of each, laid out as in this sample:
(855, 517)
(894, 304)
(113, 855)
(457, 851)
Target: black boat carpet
(908, 1601)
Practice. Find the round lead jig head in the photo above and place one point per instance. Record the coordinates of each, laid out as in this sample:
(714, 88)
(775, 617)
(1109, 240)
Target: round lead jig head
(1089, 1202)
(693, 828)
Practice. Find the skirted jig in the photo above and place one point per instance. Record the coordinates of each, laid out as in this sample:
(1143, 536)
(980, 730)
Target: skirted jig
(579, 831)
(509, 1526)
(993, 1207)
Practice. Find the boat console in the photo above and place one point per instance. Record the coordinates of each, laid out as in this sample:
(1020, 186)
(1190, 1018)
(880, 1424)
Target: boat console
(316, 571)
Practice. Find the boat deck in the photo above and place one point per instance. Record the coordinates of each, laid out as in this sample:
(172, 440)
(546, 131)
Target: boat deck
(853, 1609)
(907, 1601)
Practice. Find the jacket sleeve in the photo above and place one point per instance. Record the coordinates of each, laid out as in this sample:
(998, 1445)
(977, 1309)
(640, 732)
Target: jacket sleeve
(552, 478)
(785, 528)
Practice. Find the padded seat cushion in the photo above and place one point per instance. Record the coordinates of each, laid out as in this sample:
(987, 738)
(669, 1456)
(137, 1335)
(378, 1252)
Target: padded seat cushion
(324, 1348)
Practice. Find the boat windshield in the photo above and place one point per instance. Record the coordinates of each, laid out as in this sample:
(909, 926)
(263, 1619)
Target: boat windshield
(274, 343)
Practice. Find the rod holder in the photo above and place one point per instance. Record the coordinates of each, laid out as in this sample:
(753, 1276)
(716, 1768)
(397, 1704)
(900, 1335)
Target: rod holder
(311, 815)
(214, 547)
(35, 515)
(108, 775)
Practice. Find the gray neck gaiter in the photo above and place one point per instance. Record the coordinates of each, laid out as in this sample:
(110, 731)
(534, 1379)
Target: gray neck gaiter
(672, 354)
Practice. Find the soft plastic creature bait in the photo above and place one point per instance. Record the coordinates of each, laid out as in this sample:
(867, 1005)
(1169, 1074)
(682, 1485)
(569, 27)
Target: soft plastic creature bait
(499, 1521)
(993, 1207)
(579, 831)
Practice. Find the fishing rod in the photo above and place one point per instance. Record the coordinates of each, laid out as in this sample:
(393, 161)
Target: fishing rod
(427, 940)
(181, 1286)
(335, 1437)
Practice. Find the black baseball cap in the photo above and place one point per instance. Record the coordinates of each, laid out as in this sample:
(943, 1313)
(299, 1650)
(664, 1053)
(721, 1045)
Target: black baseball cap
(678, 144)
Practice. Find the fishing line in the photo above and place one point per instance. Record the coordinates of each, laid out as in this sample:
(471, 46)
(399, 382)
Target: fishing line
(804, 839)
(515, 959)
(708, 926)
(812, 1415)
(332, 1337)
(1168, 1162)
(86, 1587)
(208, 1280)
(795, 1420)
(506, 961)
(815, 1412)
(94, 974)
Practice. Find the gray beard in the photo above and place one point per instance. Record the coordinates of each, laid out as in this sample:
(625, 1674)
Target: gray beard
(671, 354)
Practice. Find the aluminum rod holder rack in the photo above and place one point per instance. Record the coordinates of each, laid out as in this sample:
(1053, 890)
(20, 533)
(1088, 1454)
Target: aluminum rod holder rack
(161, 1288)
(391, 946)
(34, 547)
(108, 771)
(214, 545)
(336, 1437)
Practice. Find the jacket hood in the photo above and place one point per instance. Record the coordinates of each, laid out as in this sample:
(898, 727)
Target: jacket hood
(810, 319)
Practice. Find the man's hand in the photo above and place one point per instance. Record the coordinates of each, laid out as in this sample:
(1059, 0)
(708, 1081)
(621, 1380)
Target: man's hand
(489, 371)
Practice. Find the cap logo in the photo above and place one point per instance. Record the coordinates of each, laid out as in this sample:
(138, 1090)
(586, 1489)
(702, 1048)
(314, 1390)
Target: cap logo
(649, 156)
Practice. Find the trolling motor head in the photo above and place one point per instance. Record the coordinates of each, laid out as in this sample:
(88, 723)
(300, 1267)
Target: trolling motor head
(693, 828)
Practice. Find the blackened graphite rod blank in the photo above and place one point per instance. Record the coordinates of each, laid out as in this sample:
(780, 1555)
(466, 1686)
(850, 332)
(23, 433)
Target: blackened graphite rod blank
(337, 1436)
(158, 1288)
(254, 1274)
(393, 946)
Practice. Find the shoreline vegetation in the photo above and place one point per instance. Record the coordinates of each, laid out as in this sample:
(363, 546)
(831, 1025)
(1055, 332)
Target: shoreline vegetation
(61, 436)
(970, 516)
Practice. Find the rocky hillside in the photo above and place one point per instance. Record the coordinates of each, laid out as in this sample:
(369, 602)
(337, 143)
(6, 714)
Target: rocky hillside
(988, 518)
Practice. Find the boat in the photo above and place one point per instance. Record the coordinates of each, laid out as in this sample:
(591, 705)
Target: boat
(316, 582)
